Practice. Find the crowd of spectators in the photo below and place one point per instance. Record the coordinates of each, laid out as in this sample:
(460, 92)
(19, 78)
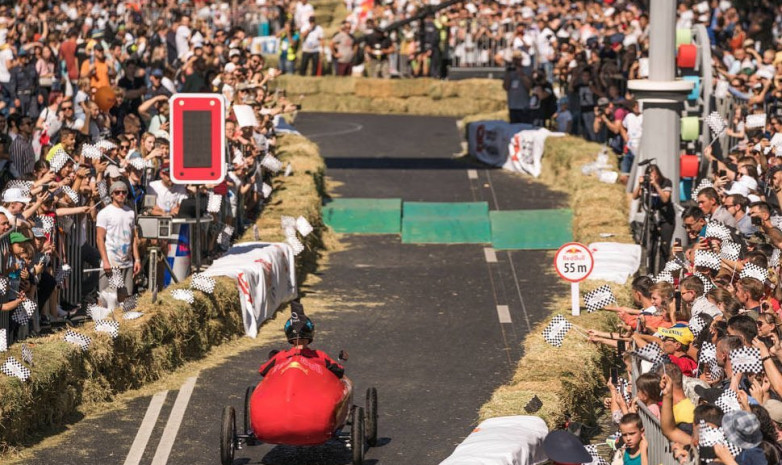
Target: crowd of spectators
(84, 139)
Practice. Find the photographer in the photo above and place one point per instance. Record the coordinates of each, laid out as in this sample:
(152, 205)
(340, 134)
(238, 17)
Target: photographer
(761, 217)
(517, 85)
(658, 188)
(607, 129)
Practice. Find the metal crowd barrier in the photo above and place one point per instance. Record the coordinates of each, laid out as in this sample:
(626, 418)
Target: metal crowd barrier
(659, 451)
(5, 253)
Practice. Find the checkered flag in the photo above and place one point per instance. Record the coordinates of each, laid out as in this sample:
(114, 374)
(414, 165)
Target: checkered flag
(214, 203)
(652, 353)
(697, 324)
(24, 312)
(3, 340)
(185, 295)
(599, 298)
(701, 185)
(106, 144)
(773, 261)
(728, 401)
(287, 222)
(44, 222)
(24, 186)
(755, 121)
(107, 326)
(224, 238)
(266, 190)
(288, 169)
(14, 368)
(203, 283)
(115, 279)
(63, 272)
(71, 194)
(27, 355)
(708, 352)
(718, 230)
(707, 284)
(132, 315)
(716, 122)
(303, 226)
(103, 191)
(91, 152)
(754, 271)
(96, 312)
(664, 277)
(624, 389)
(556, 330)
(730, 251)
(596, 459)
(77, 339)
(130, 303)
(707, 259)
(708, 436)
(746, 360)
(715, 370)
(59, 159)
(4, 285)
(672, 266)
(295, 244)
(138, 163)
(272, 164)
(289, 232)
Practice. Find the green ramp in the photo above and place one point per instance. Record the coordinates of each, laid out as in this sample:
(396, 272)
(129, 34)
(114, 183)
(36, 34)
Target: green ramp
(445, 223)
(531, 229)
(363, 216)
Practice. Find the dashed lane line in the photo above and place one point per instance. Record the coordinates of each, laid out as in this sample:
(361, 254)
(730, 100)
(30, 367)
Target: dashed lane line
(174, 422)
(472, 174)
(490, 254)
(503, 312)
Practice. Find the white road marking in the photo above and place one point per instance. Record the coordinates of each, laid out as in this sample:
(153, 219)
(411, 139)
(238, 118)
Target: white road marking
(472, 174)
(174, 422)
(145, 430)
(354, 127)
(491, 256)
(504, 313)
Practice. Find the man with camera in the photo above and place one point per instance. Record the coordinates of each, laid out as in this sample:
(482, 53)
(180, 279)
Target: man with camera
(760, 212)
(517, 85)
(606, 128)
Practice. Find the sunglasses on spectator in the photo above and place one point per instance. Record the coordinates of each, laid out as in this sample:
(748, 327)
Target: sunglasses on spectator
(67, 108)
(124, 147)
(120, 192)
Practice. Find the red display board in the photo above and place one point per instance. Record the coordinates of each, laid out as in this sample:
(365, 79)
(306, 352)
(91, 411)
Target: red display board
(197, 138)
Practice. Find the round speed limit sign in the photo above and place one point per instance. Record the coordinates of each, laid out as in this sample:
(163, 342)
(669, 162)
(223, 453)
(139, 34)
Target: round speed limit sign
(574, 262)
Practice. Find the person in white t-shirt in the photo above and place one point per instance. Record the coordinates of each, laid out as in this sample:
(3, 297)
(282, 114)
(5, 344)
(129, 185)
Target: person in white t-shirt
(169, 195)
(116, 240)
(632, 129)
(304, 10)
(310, 48)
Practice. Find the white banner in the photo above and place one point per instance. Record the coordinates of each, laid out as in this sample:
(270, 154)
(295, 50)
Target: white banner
(488, 141)
(265, 274)
(525, 151)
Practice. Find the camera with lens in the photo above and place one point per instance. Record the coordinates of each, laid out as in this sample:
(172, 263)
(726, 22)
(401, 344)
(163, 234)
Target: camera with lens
(757, 221)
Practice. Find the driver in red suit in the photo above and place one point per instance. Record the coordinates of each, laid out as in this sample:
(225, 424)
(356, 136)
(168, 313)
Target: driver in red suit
(300, 331)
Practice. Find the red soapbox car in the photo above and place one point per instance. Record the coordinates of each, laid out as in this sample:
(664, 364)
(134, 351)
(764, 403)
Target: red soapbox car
(301, 403)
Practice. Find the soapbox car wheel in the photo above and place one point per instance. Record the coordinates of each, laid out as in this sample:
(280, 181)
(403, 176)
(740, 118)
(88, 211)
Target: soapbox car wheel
(371, 417)
(357, 435)
(247, 394)
(228, 436)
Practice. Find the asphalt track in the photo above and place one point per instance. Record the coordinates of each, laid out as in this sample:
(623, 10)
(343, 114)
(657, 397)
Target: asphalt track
(443, 330)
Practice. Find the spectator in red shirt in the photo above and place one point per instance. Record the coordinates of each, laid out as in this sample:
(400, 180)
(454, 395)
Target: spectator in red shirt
(676, 340)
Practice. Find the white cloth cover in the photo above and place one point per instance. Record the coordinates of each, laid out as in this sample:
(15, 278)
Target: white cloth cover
(516, 440)
(614, 261)
(488, 141)
(525, 151)
(265, 274)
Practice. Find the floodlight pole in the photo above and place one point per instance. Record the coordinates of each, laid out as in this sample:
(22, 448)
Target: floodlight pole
(662, 97)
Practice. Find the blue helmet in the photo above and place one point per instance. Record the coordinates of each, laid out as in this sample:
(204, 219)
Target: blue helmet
(299, 327)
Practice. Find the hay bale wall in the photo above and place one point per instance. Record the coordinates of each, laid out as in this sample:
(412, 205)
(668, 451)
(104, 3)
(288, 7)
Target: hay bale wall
(169, 334)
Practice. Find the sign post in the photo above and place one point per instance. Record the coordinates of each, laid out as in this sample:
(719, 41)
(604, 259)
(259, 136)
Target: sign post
(574, 263)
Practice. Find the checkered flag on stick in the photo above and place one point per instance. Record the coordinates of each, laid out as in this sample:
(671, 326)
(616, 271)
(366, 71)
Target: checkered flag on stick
(71, 194)
(716, 123)
(599, 298)
(664, 277)
(272, 164)
(205, 284)
(751, 270)
(295, 244)
(185, 295)
(115, 279)
(652, 353)
(555, 332)
(3, 340)
(303, 226)
(707, 284)
(90, 152)
(287, 222)
(4, 285)
(132, 315)
(77, 339)
(27, 355)
(596, 459)
(773, 261)
(214, 203)
(63, 272)
(224, 238)
(14, 368)
(701, 185)
(107, 326)
(266, 190)
(672, 266)
(25, 186)
(730, 251)
(96, 312)
(697, 324)
(44, 222)
(708, 436)
(728, 401)
(746, 360)
(130, 303)
(718, 230)
(707, 259)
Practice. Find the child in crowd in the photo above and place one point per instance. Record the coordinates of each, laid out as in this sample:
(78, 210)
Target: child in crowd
(632, 430)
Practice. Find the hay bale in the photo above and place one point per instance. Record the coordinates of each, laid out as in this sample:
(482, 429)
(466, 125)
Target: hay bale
(390, 105)
(374, 88)
(299, 85)
(405, 88)
(480, 89)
